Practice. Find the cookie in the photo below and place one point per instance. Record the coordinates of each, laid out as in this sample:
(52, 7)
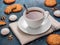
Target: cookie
(8, 1)
(2, 23)
(13, 18)
(53, 39)
(5, 31)
(18, 7)
(57, 13)
(8, 9)
(13, 8)
(50, 3)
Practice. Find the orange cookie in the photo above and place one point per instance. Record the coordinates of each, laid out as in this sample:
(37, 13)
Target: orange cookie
(13, 8)
(9, 1)
(18, 8)
(50, 3)
(8, 9)
(2, 23)
(53, 39)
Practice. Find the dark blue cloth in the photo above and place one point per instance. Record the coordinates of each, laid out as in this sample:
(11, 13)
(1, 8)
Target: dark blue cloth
(30, 3)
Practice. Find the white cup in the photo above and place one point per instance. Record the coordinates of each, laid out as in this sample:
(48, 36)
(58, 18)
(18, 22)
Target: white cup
(35, 23)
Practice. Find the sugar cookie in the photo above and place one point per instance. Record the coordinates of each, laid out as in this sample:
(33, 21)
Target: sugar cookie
(57, 13)
(13, 18)
(5, 31)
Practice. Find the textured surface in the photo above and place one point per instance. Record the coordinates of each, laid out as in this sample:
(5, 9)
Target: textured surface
(30, 3)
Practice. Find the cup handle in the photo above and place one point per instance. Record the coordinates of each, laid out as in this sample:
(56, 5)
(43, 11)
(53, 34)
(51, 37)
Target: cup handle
(46, 13)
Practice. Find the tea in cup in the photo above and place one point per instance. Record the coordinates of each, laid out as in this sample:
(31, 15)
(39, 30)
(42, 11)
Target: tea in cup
(35, 16)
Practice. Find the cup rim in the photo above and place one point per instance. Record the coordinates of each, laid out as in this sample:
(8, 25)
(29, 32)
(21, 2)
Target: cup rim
(33, 8)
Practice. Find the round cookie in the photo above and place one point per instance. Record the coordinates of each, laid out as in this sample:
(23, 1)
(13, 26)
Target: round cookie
(53, 39)
(5, 31)
(57, 13)
(8, 1)
(50, 3)
(13, 18)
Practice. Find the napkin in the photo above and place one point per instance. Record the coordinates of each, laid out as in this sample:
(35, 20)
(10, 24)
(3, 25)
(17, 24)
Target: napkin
(25, 38)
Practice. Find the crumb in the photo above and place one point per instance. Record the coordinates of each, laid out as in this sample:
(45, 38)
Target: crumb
(3, 18)
(54, 9)
(10, 37)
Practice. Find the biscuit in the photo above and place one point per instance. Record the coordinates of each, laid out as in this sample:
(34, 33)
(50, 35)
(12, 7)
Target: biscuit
(8, 1)
(2, 23)
(50, 3)
(5, 31)
(57, 13)
(18, 8)
(13, 18)
(53, 39)
(13, 8)
(8, 9)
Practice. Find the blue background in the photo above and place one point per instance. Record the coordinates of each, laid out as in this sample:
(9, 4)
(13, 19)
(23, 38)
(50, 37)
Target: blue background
(30, 3)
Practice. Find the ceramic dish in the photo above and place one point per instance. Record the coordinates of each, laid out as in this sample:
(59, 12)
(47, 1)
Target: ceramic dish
(23, 26)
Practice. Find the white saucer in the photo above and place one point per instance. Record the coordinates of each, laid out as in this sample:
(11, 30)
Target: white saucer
(23, 26)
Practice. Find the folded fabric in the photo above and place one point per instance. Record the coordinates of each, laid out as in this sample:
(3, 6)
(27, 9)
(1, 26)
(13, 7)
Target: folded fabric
(25, 38)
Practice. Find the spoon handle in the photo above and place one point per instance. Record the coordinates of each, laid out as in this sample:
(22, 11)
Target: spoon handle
(25, 7)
